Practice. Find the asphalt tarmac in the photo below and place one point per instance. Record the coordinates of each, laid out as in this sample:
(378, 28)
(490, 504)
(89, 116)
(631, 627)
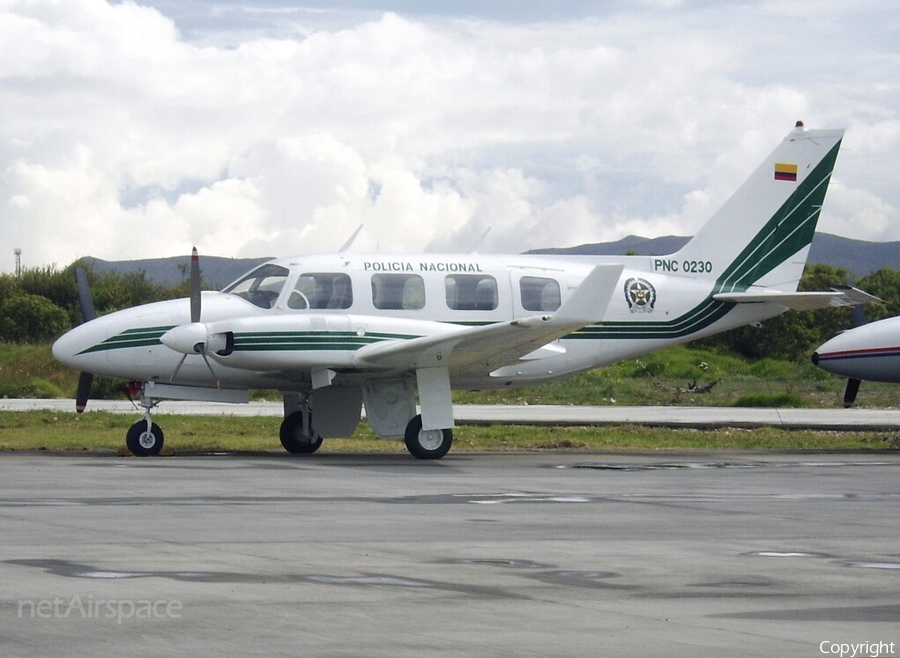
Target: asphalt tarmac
(552, 554)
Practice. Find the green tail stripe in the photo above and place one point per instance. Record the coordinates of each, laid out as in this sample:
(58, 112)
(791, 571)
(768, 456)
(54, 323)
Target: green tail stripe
(789, 230)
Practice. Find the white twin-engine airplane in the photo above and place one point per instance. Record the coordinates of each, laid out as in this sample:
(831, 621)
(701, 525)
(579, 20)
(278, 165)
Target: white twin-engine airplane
(334, 332)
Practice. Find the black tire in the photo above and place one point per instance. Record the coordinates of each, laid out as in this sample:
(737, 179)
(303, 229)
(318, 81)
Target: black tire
(427, 444)
(142, 443)
(294, 440)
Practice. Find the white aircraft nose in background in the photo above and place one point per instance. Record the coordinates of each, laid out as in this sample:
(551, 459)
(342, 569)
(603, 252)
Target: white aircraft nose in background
(870, 352)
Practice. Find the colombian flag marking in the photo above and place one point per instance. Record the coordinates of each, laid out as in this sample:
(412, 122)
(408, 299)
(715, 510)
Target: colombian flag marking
(785, 171)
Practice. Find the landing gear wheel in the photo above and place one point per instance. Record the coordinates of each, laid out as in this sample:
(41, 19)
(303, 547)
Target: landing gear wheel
(295, 438)
(427, 444)
(142, 443)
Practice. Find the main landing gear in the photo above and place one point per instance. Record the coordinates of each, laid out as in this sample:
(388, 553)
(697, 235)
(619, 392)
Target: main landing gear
(297, 434)
(427, 444)
(145, 438)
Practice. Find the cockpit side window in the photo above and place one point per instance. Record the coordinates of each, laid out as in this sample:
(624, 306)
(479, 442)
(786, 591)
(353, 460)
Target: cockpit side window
(471, 292)
(321, 290)
(261, 286)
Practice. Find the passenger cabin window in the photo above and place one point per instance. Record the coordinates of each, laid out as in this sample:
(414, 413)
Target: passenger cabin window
(471, 292)
(398, 292)
(261, 286)
(539, 293)
(321, 290)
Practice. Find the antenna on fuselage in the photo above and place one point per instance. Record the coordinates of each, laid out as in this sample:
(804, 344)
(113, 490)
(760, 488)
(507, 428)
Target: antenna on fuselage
(352, 239)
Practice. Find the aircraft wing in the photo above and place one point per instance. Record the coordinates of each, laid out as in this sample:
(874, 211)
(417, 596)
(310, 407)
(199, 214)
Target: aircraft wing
(801, 301)
(492, 346)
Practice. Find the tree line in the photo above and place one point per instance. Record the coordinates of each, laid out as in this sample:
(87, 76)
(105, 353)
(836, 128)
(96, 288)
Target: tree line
(794, 335)
(42, 303)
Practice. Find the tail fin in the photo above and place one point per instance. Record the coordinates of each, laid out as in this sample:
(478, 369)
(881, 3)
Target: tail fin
(763, 232)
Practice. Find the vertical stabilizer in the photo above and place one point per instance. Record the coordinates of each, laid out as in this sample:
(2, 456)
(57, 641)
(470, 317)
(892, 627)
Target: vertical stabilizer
(762, 234)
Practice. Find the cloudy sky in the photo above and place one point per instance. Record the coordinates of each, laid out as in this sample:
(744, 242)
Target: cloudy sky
(265, 127)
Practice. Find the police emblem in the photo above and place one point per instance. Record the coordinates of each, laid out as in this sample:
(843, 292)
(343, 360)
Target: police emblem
(640, 295)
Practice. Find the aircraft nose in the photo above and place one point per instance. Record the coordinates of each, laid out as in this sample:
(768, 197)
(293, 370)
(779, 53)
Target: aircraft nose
(68, 347)
(62, 348)
(836, 355)
(824, 358)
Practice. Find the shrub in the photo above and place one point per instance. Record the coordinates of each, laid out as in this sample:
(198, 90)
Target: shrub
(31, 319)
(772, 369)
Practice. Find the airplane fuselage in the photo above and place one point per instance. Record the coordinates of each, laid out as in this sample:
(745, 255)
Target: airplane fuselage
(314, 311)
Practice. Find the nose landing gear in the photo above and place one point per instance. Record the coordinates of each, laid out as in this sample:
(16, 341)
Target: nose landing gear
(145, 438)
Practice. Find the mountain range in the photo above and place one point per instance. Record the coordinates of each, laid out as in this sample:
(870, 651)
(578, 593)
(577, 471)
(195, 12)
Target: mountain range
(857, 256)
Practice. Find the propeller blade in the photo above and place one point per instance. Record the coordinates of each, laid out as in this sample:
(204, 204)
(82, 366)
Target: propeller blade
(195, 286)
(850, 392)
(857, 319)
(857, 316)
(84, 295)
(85, 380)
(190, 338)
(86, 301)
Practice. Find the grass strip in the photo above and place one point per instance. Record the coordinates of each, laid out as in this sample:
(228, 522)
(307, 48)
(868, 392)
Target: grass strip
(102, 431)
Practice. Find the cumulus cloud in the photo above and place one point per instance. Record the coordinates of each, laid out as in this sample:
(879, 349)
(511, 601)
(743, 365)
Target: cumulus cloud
(122, 135)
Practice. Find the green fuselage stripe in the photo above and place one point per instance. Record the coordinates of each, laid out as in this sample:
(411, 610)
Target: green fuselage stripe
(309, 340)
(142, 337)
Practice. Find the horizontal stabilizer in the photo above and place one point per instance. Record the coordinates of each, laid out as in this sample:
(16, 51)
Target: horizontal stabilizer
(801, 301)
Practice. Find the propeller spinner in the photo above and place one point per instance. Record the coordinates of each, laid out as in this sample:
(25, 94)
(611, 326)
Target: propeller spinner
(192, 338)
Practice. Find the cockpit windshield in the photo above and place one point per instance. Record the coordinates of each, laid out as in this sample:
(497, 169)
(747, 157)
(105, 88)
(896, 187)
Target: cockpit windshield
(261, 286)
